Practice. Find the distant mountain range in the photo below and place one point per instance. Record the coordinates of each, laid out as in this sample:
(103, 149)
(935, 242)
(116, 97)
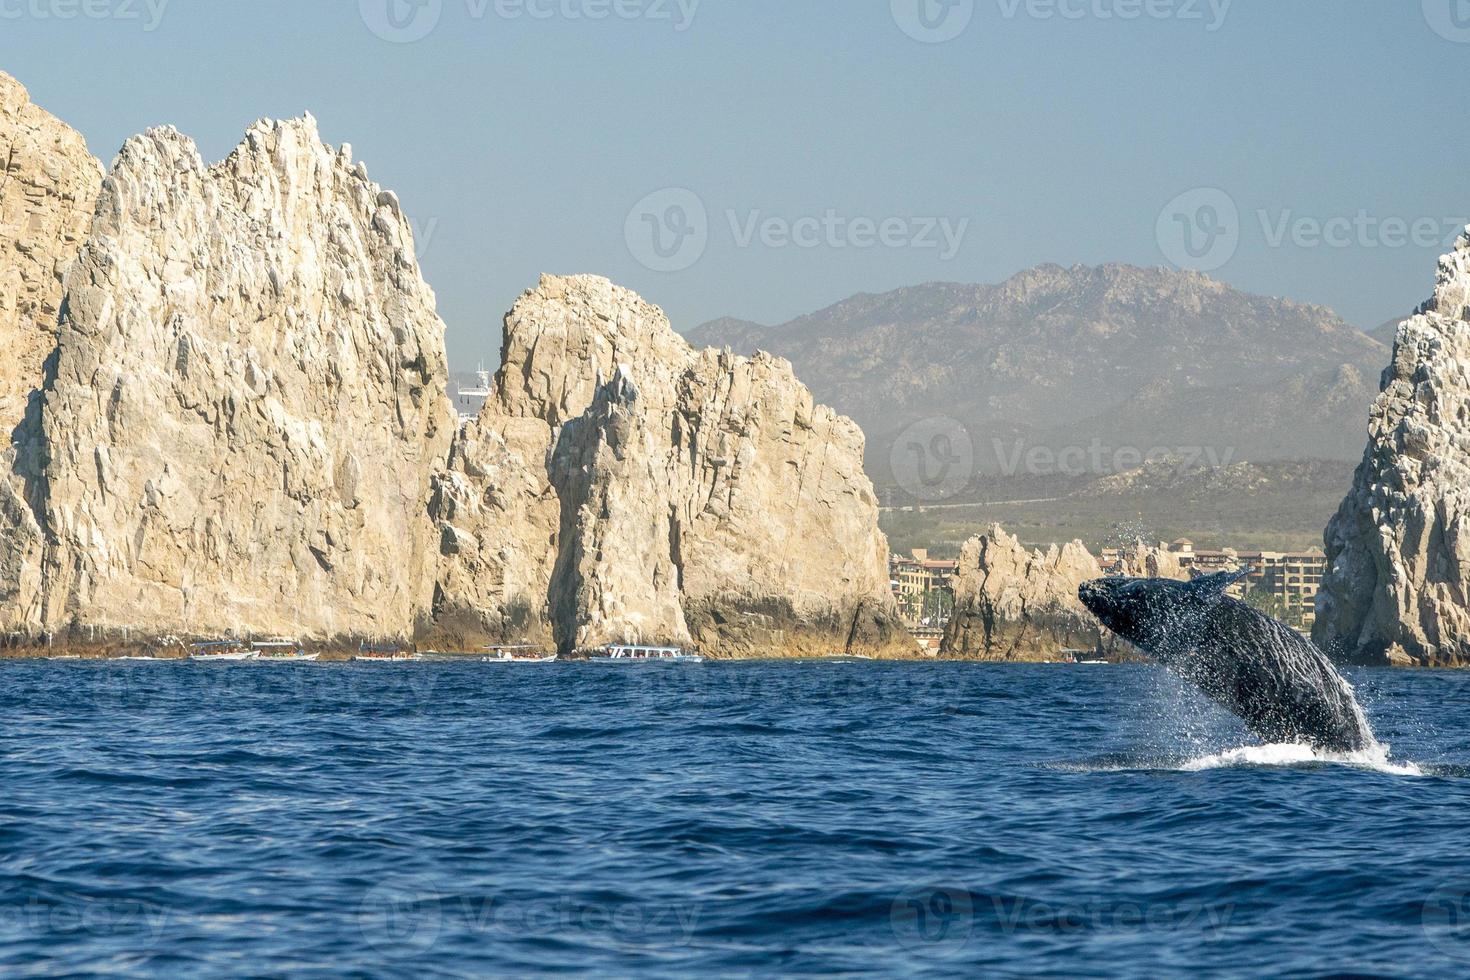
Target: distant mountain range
(1087, 366)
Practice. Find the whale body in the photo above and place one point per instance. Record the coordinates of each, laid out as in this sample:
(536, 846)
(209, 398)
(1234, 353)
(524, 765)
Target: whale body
(1280, 684)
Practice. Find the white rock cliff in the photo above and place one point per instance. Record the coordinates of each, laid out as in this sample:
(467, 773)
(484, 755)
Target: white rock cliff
(703, 497)
(1397, 589)
(48, 188)
(1015, 604)
(247, 406)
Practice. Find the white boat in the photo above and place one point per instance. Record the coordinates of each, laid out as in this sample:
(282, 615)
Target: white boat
(626, 653)
(282, 651)
(517, 655)
(224, 651)
(145, 660)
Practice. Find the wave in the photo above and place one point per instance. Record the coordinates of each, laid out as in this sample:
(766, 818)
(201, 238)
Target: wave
(1291, 754)
(1286, 755)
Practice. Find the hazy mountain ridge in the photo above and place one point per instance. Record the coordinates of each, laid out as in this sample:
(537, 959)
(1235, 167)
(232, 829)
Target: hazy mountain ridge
(1119, 355)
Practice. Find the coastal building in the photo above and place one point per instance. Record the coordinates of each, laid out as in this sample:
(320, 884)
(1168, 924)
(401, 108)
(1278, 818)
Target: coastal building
(923, 587)
(1290, 578)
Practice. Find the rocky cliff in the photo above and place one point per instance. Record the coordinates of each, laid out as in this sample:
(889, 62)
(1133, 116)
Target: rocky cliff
(246, 408)
(1015, 604)
(241, 427)
(48, 187)
(702, 497)
(1397, 588)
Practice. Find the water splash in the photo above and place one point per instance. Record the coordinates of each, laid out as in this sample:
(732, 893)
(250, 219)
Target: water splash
(1293, 754)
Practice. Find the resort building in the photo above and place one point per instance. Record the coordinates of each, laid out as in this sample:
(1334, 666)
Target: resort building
(923, 586)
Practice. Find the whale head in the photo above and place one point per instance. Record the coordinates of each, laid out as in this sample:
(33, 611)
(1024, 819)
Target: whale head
(1147, 611)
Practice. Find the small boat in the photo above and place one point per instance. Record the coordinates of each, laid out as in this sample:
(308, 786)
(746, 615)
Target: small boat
(282, 651)
(517, 655)
(384, 655)
(625, 653)
(144, 660)
(221, 651)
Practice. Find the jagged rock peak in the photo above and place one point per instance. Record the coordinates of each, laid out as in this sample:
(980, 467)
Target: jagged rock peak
(249, 401)
(1015, 604)
(703, 497)
(1398, 549)
(48, 187)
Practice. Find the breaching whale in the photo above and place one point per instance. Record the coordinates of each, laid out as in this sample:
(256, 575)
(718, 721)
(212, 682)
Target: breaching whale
(1280, 684)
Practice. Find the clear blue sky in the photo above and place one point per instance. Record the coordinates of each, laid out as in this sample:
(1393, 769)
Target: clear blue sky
(520, 144)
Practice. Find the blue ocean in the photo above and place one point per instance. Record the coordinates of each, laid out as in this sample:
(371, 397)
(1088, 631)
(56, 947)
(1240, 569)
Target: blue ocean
(756, 819)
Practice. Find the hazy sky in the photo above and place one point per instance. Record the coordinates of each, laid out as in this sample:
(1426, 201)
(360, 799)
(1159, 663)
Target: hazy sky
(789, 153)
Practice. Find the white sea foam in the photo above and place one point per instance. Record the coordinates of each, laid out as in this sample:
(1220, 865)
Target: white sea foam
(1374, 757)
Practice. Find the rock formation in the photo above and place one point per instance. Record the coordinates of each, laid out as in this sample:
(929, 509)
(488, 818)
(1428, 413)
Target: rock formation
(1014, 604)
(1397, 589)
(48, 187)
(241, 427)
(703, 497)
(246, 408)
(1141, 560)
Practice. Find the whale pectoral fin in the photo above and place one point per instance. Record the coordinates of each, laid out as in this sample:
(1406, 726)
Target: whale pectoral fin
(1214, 586)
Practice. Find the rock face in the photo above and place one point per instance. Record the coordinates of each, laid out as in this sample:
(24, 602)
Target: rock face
(1397, 587)
(1143, 560)
(48, 187)
(1014, 604)
(700, 497)
(247, 405)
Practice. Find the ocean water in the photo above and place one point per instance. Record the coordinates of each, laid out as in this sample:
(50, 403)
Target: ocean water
(741, 819)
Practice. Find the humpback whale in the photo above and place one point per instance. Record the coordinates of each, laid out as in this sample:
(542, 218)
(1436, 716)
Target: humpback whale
(1280, 684)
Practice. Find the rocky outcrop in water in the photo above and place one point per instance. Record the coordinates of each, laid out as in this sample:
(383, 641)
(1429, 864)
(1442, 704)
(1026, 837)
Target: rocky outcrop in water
(48, 187)
(703, 498)
(242, 427)
(1397, 588)
(246, 408)
(1015, 604)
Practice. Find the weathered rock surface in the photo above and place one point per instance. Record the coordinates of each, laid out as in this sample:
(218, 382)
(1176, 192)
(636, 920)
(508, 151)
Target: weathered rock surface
(1015, 604)
(702, 497)
(247, 405)
(1142, 560)
(48, 187)
(1397, 587)
(499, 520)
